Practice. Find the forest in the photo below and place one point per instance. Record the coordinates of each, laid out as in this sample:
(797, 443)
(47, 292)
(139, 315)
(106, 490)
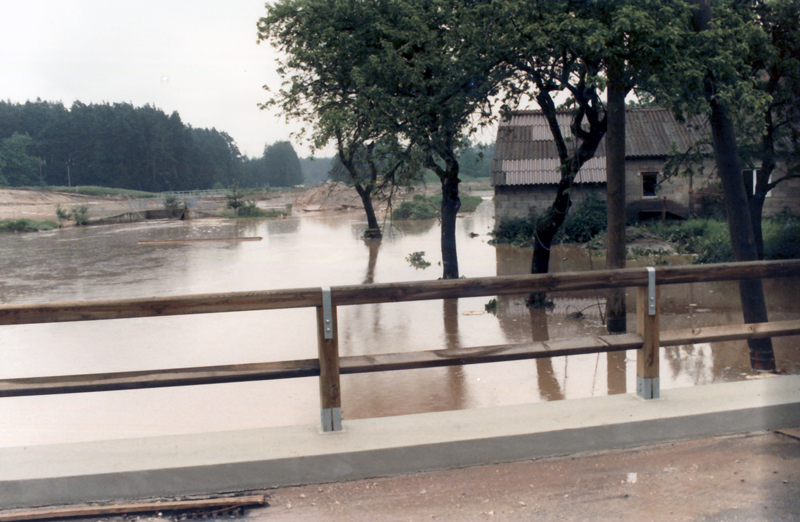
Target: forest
(121, 146)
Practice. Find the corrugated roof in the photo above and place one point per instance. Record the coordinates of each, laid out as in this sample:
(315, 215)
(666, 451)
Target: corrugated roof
(525, 152)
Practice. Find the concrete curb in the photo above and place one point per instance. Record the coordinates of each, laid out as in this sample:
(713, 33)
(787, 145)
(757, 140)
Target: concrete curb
(272, 457)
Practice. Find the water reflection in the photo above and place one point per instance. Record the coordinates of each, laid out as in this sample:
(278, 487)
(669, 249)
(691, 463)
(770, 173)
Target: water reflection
(310, 251)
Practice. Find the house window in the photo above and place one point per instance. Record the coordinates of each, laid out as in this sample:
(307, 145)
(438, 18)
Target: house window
(750, 178)
(649, 184)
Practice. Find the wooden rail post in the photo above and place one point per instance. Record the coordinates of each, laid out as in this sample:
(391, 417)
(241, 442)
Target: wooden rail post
(328, 345)
(647, 357)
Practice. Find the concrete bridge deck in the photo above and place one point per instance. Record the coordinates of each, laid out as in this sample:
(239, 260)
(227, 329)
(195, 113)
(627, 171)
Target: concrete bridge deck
(274, 457)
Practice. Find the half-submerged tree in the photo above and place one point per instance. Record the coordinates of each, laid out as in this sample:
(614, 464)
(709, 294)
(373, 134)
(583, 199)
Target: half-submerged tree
(403, 75)
(327, 46)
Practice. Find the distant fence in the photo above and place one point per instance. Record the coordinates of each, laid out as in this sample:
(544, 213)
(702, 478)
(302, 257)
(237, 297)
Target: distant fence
(328, 366)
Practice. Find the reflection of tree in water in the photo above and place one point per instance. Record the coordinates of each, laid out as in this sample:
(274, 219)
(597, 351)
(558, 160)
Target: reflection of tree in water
(549, 387)
(374, 246)
(413, 227)
(694, 361)
(455, 374)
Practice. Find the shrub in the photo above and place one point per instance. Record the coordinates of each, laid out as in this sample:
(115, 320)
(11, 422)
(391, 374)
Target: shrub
(515, 231)
(419, 207)
(781, 240)
(586, 220)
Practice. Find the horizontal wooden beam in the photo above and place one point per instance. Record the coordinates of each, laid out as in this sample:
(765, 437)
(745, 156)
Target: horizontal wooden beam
(734, 332)
(310, 367)
(386, 292)
(382, 362)
(130, 507)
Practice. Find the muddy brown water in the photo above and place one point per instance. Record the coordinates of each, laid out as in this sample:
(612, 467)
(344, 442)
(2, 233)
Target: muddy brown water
(312, 250)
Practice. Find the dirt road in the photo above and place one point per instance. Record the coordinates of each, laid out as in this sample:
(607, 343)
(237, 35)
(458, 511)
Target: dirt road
(755, 477)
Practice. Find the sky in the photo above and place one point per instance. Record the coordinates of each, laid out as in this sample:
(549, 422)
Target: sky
(199, 58)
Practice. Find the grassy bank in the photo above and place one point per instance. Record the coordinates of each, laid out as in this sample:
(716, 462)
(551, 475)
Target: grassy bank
(91, 190)
(25, 225)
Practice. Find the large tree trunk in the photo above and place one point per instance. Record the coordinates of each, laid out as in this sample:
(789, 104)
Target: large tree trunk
(751, 292)
(571, 162)
(373, 229)
(615, 194)
(451, 203)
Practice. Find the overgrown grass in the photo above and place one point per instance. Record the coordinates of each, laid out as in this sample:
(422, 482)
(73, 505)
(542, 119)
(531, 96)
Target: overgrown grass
(424, 207)
(25, 225)
(91, 190)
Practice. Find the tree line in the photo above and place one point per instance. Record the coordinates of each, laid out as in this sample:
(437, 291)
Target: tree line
(121, 146)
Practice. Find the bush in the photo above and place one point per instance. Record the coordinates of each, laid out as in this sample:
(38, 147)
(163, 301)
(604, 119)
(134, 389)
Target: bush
(421, 207)
(781, 240)
(78, 214)
(515, 231)
(586, 220)
(249, 209)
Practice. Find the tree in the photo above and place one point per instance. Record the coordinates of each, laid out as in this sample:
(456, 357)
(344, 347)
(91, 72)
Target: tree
(772, 134)
(402, 78)
(719, 88)
(434, 73)
(282, 165)
(326, 46)
(568, 47)
(17, 168)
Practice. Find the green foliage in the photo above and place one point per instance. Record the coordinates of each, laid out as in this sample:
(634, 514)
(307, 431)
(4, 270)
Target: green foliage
(61, 214)
(586, 220)
(491, 306)
(280, 166)
(418, 208)
(172, 202)
(25, 225)
(249, 209)
(707, 239)
(417, 260)
(114, 145)
(80, 214)
(423, 207)
(515, 231)
(17, 168)
(235, 198)
(782, 237)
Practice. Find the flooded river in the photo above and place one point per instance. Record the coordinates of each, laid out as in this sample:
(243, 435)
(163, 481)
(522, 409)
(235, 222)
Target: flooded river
(315, 250)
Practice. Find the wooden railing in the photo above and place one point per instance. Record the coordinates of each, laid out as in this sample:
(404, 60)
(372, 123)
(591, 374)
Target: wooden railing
(329, 366)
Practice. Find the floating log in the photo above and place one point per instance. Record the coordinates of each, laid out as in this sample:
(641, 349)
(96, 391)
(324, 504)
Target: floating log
(196, 240)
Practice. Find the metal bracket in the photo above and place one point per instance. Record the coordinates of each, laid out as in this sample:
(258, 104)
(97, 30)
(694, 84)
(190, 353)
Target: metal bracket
(648, 388)
(327, 312)
(651, 290)
(331, 419)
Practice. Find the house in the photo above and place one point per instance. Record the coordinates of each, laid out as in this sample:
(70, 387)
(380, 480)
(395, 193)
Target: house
(525, 167)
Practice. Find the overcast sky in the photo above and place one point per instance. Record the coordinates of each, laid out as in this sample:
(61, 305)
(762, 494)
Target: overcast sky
(197, 57)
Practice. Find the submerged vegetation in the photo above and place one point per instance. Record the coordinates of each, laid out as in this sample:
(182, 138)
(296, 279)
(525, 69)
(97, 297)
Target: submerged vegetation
(708, 240)
(429, 207)
(584, 222)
